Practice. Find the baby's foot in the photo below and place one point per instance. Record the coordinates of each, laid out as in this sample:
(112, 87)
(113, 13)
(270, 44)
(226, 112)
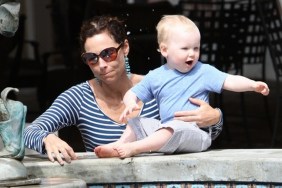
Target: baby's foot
(106, 151)
(125, 150)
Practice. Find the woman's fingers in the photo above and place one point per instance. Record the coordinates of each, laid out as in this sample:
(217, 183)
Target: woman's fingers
(58, 150)
(204, 115)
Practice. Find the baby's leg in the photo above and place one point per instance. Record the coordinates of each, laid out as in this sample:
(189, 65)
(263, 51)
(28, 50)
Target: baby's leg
(187, 138)
(109, 150)
(127, 136)
(151, 143)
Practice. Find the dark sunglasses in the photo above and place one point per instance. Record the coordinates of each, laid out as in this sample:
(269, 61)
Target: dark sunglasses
(108, 55)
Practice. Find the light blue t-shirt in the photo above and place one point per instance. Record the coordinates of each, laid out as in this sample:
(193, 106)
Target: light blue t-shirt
(172, 89)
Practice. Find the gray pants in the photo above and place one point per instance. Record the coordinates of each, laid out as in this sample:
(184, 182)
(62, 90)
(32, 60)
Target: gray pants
(187, 137)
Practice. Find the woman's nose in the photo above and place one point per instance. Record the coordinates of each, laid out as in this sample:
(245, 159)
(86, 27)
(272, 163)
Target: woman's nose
(102, 63)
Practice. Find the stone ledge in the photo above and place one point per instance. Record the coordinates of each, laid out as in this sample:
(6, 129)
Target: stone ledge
(229, 165)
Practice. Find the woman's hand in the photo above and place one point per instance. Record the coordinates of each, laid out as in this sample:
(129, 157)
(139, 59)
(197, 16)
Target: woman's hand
(204, 116)
(57, 149)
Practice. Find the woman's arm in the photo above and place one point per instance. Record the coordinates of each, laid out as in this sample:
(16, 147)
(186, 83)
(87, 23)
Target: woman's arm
(39, 135)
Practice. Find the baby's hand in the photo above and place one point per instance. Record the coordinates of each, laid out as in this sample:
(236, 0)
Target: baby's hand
(261, 87)
(128, 110)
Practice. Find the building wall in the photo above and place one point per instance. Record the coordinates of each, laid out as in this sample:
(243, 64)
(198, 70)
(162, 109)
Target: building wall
(39, 27)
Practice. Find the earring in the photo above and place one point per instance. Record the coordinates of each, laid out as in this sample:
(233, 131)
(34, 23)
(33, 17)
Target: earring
(127, 66)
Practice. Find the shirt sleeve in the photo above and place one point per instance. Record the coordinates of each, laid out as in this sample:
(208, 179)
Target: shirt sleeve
(214, 79)
(63, 112)
(143, 89)
(216, 129)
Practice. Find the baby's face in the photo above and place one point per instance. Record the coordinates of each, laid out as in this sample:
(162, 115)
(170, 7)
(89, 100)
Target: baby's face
(183, 49)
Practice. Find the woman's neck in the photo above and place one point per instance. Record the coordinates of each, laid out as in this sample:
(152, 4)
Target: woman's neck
(110, 97)
(115, 90)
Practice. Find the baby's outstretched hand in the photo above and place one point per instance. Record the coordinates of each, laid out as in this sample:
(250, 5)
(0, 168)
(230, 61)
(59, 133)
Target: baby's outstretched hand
(261, 87)
(128, 110)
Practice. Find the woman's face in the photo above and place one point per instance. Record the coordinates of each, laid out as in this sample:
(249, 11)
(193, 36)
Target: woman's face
(105, 71)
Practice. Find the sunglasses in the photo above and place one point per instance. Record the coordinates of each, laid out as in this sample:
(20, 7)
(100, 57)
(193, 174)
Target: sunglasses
(108, 55)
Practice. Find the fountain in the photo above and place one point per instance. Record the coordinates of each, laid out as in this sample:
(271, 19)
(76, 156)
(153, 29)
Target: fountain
(12, 170)
(12, 123)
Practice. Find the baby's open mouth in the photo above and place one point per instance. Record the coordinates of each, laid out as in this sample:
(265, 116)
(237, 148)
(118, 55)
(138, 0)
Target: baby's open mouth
(189, 62)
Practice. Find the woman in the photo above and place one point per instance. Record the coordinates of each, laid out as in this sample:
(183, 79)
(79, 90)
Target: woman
(94, 106)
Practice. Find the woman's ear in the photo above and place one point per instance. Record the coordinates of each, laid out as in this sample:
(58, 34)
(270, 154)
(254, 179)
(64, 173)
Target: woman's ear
(126, 47)
(163, 49)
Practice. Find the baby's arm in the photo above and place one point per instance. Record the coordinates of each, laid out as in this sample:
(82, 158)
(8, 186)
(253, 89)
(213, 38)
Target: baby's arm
(130, 100)
(239, 83)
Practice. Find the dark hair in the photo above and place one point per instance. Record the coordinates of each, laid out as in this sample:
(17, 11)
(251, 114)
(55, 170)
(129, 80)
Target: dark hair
(98, 24)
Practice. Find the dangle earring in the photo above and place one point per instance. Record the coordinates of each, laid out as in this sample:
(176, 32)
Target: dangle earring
(127, 66)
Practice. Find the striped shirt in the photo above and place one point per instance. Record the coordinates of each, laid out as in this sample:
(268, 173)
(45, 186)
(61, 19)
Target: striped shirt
(77, 106)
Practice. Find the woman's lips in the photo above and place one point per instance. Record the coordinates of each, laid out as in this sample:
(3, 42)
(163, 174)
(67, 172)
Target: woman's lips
(105, 73)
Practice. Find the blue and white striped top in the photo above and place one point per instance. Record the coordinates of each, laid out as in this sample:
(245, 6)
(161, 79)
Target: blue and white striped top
(77, 106)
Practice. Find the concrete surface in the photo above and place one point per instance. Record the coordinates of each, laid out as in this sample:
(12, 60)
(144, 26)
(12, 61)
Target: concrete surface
(242, 165)
(46, 182)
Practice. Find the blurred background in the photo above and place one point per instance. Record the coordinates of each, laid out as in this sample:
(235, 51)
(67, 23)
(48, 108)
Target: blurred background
(43, 58)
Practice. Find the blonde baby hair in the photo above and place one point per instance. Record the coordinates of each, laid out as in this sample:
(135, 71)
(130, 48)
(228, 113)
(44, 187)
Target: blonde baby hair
(168, 22)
